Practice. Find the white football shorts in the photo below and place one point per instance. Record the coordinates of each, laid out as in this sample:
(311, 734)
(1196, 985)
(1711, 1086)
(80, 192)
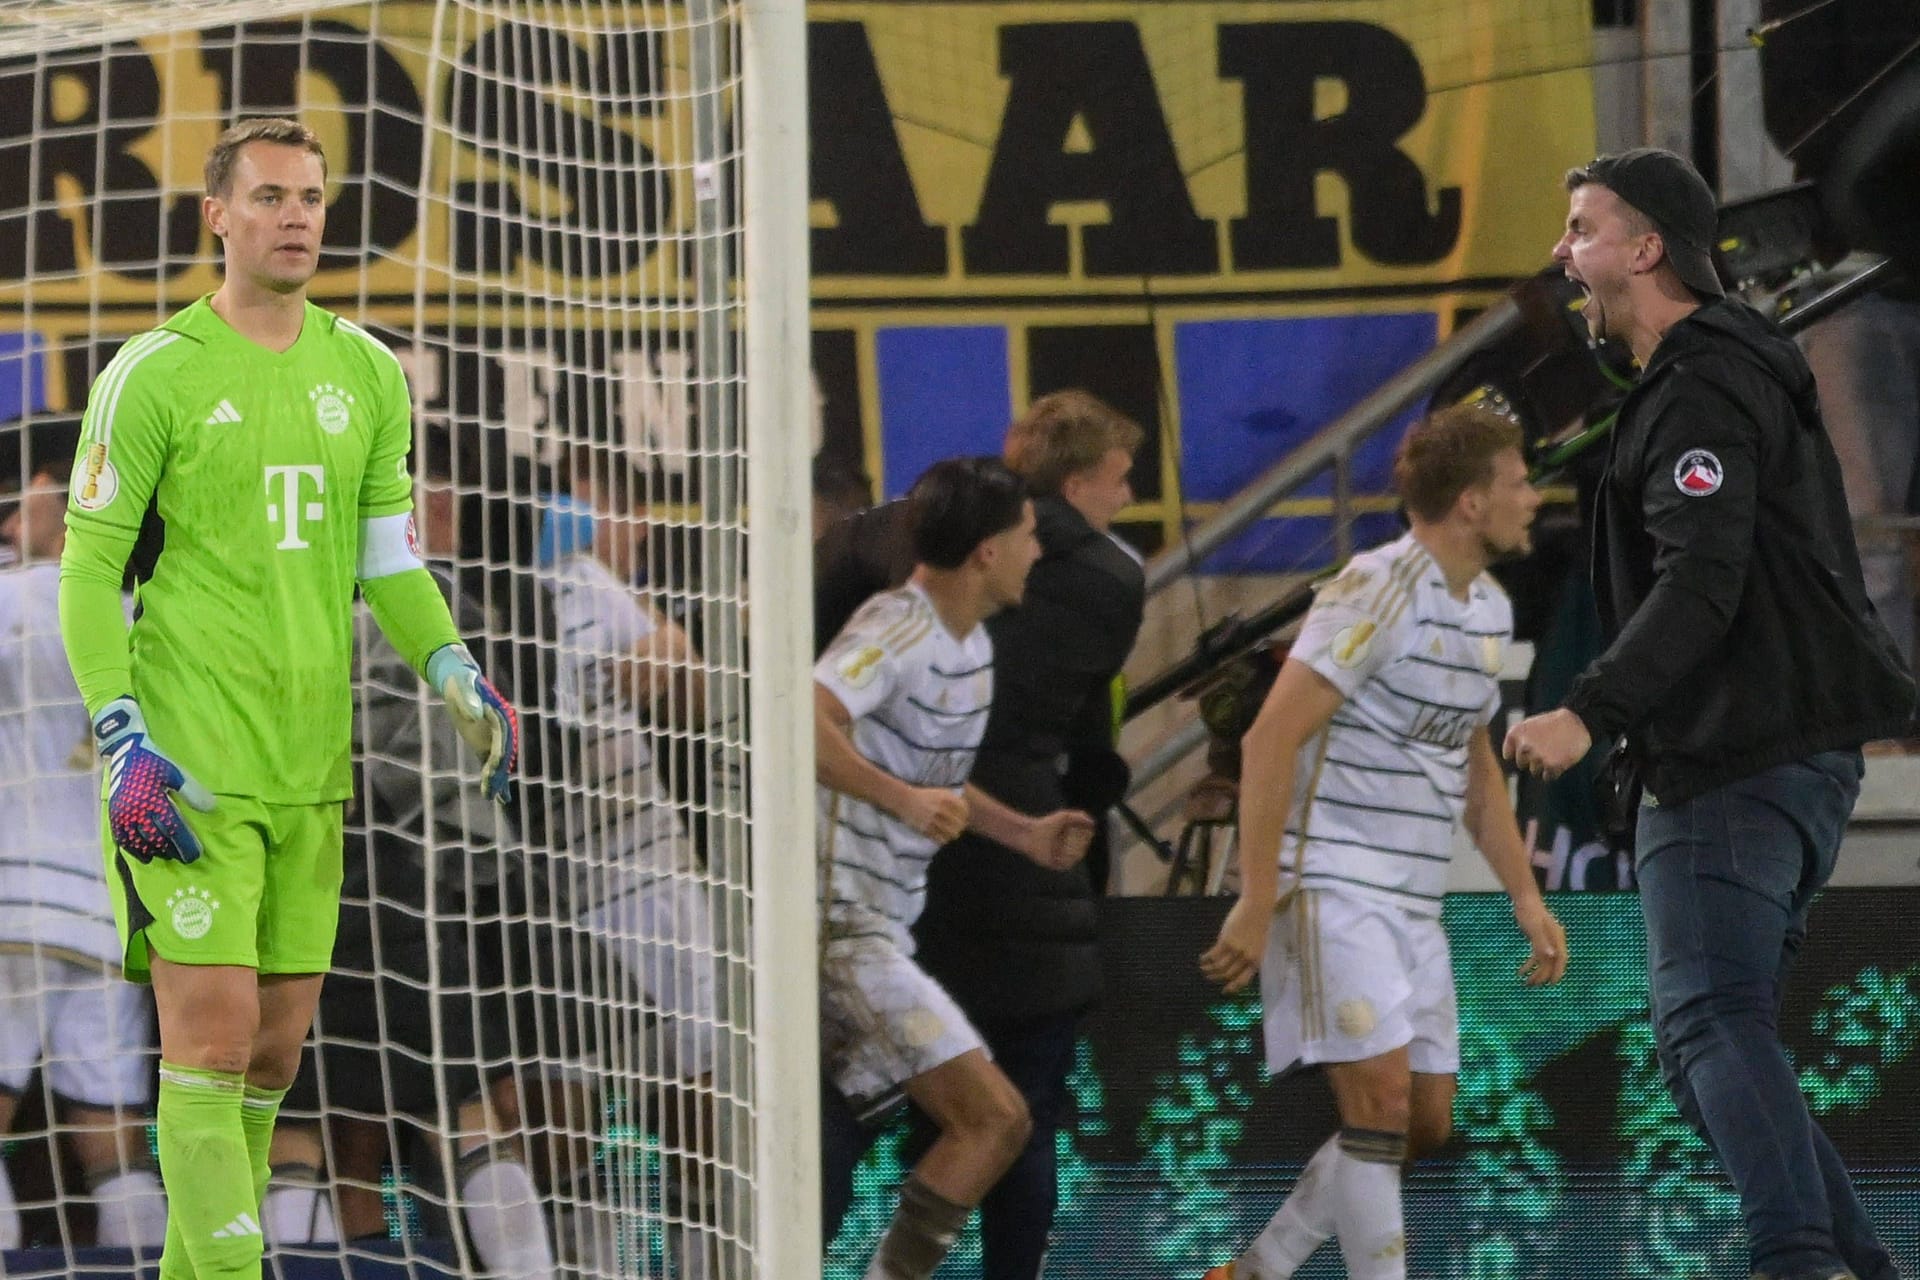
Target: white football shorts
(883, 1021)
(661, 931)
(89, 1030)
(1347, 978)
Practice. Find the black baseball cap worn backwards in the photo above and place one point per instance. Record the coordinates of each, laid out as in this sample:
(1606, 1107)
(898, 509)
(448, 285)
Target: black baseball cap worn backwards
(1673, 195)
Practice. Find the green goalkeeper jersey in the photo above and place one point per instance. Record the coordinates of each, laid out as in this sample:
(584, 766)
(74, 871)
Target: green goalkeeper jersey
(260, 466)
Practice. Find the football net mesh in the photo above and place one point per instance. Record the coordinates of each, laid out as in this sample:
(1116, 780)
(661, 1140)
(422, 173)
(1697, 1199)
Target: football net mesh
(535, 1051)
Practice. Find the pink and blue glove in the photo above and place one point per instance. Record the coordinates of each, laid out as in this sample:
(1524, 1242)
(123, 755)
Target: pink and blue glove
(140, 809)
(482, 716)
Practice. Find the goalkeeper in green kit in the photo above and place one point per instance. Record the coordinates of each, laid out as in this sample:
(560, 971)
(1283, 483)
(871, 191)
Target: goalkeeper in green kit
(269, 438)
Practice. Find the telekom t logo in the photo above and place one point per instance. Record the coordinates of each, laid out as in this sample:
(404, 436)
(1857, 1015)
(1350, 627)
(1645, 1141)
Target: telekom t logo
(289, 510)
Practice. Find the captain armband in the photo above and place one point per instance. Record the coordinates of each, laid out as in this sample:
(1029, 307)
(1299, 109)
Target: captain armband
(388, 545)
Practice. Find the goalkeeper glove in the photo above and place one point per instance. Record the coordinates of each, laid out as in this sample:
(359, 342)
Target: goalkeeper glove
(480, 714)
(144, 819)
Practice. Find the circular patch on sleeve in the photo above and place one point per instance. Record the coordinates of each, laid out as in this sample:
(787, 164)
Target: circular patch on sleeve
(99, 485)
(920, 1027)
(1698, 473)
(1352, 644)
(857, 668)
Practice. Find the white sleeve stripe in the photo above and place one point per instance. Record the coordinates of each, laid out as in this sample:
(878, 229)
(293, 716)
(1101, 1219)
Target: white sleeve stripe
(386, 547)
(114, 380)
(378, 345)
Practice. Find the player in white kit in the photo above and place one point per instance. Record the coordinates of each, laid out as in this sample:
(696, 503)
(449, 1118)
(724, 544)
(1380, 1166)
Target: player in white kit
(623, 672)
(901, 699)
(62, 1005)
(1370, 750)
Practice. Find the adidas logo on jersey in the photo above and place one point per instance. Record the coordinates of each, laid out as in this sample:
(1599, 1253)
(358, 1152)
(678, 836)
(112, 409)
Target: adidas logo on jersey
(225, 414)
(242, 1225)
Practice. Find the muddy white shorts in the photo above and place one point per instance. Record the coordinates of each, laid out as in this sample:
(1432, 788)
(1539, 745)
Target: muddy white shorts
(661, 929)
(883, 1021)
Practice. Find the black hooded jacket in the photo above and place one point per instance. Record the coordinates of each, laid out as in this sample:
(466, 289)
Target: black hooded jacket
(1724, 565)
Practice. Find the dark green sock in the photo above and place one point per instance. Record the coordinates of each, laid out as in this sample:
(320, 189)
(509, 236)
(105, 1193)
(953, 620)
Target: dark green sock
(211, 1208)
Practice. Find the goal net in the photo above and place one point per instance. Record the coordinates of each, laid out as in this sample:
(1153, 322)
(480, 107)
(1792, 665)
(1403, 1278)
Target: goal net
(551, 1037)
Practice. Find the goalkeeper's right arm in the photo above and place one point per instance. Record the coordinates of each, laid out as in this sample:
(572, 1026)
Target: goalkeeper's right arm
(93, 627)
(93, 621)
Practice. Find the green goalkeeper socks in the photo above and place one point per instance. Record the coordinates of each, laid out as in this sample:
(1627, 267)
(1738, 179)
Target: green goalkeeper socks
(212, 1209)
(259, 1108)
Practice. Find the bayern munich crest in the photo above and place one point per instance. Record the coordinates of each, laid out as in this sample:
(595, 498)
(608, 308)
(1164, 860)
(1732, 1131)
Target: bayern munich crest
(332, 407)
(192, 911)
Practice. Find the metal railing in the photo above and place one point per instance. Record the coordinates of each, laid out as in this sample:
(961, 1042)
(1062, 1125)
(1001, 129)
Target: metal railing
(1333, 447)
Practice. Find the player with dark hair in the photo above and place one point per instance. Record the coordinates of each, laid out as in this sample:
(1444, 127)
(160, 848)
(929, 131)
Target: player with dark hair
(900, 699)
(1016, 943)
(627, 681)
(271, 437)
(1370, 751)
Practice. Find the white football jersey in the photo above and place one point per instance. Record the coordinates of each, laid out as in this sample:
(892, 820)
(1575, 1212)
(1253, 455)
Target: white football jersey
(1379, 793)
(632, 833)
(919, 697)
(52, 893)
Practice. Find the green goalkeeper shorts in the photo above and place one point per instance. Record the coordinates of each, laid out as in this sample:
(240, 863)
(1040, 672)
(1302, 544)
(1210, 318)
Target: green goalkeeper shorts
(264, 892)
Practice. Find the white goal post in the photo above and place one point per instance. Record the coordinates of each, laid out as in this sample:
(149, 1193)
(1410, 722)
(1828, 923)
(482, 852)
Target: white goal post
(582, 228)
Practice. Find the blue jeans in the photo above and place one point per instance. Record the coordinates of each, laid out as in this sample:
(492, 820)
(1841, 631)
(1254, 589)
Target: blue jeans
(1725, 882)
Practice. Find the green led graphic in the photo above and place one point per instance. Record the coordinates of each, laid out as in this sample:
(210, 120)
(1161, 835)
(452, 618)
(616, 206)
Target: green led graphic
(1865, 1026)
(1193, 1125)
(1569, 1160)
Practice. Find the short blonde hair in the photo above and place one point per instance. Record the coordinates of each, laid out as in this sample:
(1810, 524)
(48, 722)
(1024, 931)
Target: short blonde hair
(1065, 432)
(226, 149)
(1448, 452)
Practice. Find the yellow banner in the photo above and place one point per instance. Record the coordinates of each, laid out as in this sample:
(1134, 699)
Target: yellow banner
(1017, 149)
(973, 150)
(469, 154)
(1178, 205)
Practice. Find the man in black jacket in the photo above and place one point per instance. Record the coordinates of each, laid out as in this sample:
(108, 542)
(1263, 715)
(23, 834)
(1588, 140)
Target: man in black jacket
(1017, 944)
(1745, 669)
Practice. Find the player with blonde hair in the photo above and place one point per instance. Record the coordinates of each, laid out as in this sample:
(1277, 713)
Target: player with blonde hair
(1370, 750)
(269, 438)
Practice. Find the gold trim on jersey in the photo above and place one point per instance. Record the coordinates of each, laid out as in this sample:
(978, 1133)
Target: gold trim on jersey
(1313, 1015)
(1405, 585)
(907, 633)
(911, 628)
(1402, 571)
(1307, 798)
